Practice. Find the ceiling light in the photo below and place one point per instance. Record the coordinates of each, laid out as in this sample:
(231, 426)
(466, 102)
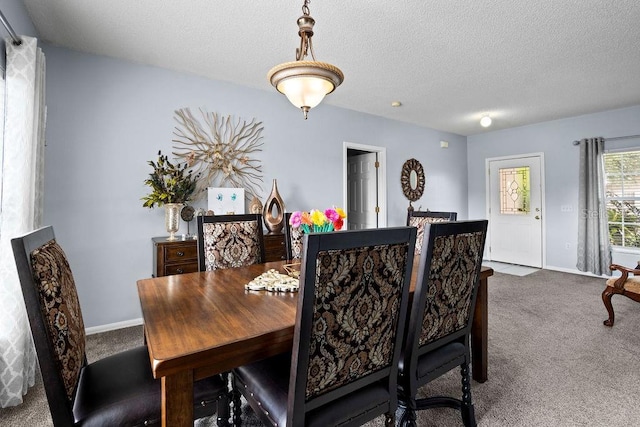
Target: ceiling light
(396, 103)
(305, 83)
(485, 121)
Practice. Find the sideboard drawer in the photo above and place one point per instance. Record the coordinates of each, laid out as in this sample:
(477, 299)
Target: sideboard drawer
(187, 267)
(181, 252)
(174, 257)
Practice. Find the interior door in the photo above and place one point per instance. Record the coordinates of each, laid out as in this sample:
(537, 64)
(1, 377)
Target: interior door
(515, 211)
(362, 182)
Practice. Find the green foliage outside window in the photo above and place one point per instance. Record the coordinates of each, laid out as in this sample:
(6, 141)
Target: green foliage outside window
(623, 197)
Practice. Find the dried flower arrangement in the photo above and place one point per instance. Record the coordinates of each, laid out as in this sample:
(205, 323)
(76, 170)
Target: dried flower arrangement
(169, 183)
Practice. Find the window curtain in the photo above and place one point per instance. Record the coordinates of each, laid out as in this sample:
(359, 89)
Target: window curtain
(21, 185)
(594, 250)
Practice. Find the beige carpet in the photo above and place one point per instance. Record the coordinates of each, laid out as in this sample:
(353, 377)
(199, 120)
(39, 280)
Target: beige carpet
(551, 361)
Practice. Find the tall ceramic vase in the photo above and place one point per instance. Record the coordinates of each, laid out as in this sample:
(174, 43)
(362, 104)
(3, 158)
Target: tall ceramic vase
(274, 223)
(172, 218)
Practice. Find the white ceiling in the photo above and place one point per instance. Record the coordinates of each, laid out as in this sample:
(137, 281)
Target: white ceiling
(447, 61)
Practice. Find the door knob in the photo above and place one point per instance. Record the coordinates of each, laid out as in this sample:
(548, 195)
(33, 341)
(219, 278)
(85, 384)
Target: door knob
(537, 216)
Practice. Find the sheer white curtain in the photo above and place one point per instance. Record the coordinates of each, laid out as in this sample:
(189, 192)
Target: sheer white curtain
(21, 185)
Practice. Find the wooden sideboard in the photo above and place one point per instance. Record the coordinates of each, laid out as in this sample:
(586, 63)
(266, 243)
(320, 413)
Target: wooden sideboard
(181, 256)
(274, 249)
(174, 257)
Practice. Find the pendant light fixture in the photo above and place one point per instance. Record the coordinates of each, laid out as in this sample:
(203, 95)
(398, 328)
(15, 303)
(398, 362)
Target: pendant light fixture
(305, 83)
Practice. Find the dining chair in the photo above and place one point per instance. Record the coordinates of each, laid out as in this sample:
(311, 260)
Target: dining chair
(116, 390)
(419, 219)
(351, 311)
(292, 239)
(227, 241)
(440, 318)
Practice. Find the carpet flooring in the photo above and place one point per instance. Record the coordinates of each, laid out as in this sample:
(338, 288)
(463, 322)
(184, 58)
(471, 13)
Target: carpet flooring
(551, 361)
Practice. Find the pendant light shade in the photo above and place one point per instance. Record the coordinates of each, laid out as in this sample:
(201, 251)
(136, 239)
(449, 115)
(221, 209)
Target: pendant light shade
(305, 83)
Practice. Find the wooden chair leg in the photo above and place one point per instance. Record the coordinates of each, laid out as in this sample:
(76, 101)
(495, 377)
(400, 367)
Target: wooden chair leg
(466, 407)
(390, 419)
(408, 418)
(237, 407)
(606, 299)
(223, 412)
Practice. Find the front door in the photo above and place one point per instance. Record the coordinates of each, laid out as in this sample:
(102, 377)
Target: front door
(515, 210)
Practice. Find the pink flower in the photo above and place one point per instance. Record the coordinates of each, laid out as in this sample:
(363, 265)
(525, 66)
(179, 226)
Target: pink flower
(332, 215)
(295, 219)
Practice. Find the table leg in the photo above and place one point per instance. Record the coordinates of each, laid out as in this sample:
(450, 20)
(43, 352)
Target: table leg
(479, 333)
(177, 399)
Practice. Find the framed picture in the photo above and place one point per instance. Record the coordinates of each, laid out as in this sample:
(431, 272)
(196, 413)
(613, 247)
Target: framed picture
(225, 201)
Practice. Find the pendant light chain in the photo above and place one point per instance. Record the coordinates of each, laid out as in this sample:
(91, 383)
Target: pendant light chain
(305, 23)
(305, 83)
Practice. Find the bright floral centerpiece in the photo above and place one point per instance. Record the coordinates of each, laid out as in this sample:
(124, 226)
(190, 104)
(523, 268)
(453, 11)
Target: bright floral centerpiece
(316, 221)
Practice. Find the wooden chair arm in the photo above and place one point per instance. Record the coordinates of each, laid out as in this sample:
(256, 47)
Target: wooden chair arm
(619, 283)
(623, 269)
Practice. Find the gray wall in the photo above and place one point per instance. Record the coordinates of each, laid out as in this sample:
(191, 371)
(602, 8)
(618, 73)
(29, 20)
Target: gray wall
(561, 158)
(107, 118)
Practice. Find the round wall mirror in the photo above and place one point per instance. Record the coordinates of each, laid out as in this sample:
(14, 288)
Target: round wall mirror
(412, 179)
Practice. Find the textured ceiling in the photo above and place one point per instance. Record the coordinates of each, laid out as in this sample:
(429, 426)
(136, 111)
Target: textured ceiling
(447, 61)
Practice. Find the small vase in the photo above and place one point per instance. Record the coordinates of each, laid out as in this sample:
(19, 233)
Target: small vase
(172, 218)
(274, 223)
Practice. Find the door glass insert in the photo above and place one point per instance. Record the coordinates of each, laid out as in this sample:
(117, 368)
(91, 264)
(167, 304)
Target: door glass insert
(515, 191)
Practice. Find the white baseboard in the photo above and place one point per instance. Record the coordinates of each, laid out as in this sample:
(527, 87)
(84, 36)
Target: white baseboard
(574, 271)
(113, 326)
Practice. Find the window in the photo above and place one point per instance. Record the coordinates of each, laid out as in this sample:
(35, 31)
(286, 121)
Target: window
(622, 187)
(514, 191)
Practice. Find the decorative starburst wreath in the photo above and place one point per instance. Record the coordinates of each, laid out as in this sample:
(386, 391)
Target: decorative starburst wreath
(221, 150)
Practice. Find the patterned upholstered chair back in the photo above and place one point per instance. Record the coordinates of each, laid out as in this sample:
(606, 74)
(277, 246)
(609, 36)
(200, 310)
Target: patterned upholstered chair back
(441, 315)
(420, 219)
(445, 294)
(293, 239)
(351, 314)
(227, 241)
(53, 308)
(454, 270)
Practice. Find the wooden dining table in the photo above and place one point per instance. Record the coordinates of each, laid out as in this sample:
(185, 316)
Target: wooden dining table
(200, 324)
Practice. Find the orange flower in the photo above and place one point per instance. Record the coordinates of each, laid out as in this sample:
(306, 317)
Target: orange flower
(306, 218)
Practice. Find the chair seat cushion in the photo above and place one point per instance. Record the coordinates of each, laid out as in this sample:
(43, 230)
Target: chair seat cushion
(120, 390)
(441, 360)
(434, 363)
(631, 285)
(267, 381)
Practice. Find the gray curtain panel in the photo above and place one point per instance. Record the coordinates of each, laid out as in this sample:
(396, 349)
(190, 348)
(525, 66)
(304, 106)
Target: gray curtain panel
(594, 250)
